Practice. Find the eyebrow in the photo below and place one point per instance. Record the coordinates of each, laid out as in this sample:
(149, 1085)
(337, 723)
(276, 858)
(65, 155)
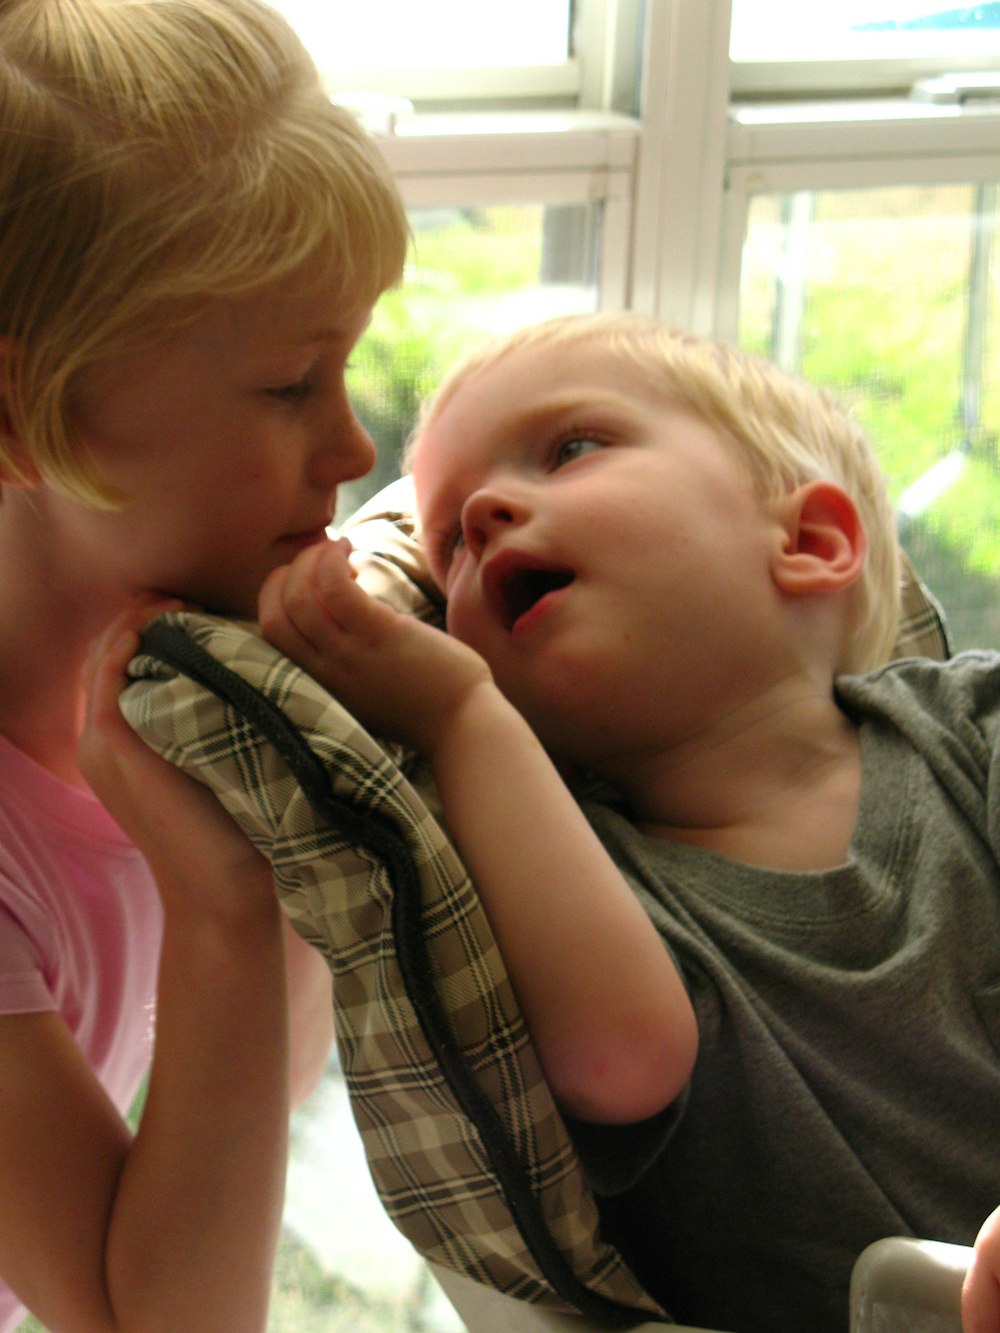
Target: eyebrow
(547, 414)
(563, 405)
(566, 404)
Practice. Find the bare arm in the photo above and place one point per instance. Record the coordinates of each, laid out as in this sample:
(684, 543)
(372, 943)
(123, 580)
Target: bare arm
(607, 1011)
(175, 1228)
(198, 1204)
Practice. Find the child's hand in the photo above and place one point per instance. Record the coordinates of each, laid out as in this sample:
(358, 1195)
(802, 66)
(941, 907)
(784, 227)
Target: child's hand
(401, 678)
(149, 797)
(981, 1292)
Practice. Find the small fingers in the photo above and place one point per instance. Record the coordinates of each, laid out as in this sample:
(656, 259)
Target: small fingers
(344, 600)
(287, 607)
(307, 606)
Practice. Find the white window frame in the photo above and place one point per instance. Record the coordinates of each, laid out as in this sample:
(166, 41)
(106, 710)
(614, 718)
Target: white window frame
(903, 144)
(513, 84)
(583, 152)
(549, 83)
(548, 158)
(830, 77)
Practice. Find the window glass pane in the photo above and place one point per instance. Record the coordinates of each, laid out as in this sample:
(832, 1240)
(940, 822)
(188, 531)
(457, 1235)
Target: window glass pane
(773, 30)
(472, 272)
(380, 34)
(887, 297)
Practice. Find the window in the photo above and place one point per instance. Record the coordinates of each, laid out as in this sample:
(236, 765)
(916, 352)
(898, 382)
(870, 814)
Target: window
(860, 29)
(397, 34)
(886, 296)
(778, 45)
(858, 246)
(342, 1265)
(517, 172)
(441, 49)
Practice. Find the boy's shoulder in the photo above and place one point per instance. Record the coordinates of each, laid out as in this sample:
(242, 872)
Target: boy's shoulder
(963, 689)
(971, 664)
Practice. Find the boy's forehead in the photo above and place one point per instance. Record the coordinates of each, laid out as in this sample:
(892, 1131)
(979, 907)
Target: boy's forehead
(537, 384)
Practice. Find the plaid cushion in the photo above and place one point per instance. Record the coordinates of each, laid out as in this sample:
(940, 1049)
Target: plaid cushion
(466, 1147)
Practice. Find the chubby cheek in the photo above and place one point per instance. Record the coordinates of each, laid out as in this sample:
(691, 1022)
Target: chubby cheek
(461, 617)
(469, 620)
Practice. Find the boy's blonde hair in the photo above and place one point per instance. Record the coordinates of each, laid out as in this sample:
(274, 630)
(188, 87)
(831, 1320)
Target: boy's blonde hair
(787, 432)
(154, 155)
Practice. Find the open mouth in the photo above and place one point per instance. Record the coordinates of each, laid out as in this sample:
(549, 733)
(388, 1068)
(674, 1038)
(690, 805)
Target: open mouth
(522, 589)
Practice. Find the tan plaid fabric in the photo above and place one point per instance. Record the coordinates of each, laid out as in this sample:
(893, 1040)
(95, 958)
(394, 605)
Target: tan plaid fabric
(922, 628)
(465, 1145)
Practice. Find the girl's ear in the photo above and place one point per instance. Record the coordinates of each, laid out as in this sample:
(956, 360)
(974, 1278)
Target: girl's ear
(823, 545)
(15, 468)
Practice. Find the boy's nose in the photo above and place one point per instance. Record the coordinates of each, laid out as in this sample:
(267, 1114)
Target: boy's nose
(486, 512)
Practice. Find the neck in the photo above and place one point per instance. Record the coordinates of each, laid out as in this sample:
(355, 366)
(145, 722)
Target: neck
(50, 612)
(776, 783)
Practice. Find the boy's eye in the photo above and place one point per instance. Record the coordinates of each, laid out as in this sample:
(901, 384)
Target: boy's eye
(446, 546)
(450, 544)
(575, 448)
(442, 547)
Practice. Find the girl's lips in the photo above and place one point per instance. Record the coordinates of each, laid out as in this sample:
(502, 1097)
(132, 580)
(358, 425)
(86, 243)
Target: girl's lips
(301, 541)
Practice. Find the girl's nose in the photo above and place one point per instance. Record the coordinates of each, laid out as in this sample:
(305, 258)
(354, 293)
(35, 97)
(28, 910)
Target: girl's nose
(362, 450)
(346, 453)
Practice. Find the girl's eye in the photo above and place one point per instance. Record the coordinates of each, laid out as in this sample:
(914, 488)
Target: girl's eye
(291, 393)
(575, 448)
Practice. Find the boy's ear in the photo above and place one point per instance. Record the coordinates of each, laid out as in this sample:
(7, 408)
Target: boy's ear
(15, 468)
(823, 546)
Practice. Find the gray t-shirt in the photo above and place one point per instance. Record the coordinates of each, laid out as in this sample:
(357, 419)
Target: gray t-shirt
(848, 1080)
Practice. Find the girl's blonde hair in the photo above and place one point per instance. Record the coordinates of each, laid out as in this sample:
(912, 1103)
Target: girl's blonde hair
(786, 430)
(155, 155)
